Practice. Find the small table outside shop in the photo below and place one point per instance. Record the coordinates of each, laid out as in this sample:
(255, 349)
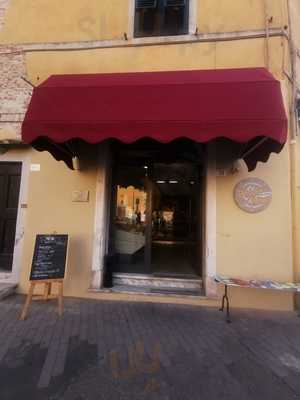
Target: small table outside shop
(251, 284)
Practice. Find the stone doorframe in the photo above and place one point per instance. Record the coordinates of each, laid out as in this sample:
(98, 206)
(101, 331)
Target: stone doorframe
(102, 215)
(102, 219)
(210, 223)
(24, 159)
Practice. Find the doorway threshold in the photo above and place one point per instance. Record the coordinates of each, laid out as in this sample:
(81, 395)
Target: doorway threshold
(150, 284)
(175, 276)
(177, 292)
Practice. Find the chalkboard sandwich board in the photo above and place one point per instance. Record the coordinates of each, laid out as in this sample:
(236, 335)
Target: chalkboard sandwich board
(48, 268)
(49, 258)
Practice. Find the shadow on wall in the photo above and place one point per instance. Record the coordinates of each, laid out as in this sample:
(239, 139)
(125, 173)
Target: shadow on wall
(79, 265)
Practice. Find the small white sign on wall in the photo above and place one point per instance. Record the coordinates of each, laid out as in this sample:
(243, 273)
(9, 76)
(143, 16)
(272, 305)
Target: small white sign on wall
(80, 196)
(35, 167)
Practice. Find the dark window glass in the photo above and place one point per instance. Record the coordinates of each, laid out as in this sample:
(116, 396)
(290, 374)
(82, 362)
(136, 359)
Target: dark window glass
(161, 17)
(128, 235)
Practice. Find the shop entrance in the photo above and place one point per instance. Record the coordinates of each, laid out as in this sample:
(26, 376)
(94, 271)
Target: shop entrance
(157, 210)
(175, 238)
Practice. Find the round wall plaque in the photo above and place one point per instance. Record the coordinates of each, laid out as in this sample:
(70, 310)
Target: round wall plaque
(252, 195)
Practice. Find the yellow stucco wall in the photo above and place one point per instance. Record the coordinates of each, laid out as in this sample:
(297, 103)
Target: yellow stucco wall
(188, 56)
(75, 20)
(295, 19)
(232, 15)
(70, 20)
(295, 154)
(50, 209)
(256, 245)
(250, 246)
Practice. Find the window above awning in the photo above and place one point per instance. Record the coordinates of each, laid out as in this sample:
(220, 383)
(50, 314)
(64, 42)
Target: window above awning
(242, 105)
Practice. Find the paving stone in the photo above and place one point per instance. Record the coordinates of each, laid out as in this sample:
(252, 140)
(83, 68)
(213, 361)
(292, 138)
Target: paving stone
(122, 350)
(6, 290)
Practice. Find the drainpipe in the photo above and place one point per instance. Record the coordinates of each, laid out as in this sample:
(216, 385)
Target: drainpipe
(293, 141)
(267, 37)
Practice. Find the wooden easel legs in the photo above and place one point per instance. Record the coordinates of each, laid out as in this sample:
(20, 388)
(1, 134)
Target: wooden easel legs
(47, 291)
(60, 299)
(27, 302)
(46, 296)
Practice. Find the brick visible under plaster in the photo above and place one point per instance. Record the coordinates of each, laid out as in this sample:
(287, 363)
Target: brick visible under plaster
(14, 91)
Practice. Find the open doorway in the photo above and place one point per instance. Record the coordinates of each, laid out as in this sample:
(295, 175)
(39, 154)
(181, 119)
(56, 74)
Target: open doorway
(156, 226)
(176, 220)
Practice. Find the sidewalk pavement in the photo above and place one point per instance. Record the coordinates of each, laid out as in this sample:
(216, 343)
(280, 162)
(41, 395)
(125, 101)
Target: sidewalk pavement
(124, 350)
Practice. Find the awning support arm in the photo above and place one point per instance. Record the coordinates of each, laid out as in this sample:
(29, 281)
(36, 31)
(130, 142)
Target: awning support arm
(27, 81)
(71, 148)
(61, 148)
(254, 147)
(74, 157)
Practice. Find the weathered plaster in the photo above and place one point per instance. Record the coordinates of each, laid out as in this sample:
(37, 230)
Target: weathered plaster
(14, 91)
(210, 267)
(101, 228)
(3, 8)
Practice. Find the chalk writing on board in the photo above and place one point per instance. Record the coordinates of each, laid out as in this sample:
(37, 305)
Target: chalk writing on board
(49, 258)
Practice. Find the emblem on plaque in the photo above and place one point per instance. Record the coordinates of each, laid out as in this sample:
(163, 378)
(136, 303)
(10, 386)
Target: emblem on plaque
(252, 195)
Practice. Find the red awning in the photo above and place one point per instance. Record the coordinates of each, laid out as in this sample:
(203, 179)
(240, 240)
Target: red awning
(243, 105)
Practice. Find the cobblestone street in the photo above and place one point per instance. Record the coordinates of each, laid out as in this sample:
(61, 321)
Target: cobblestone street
(121, 350)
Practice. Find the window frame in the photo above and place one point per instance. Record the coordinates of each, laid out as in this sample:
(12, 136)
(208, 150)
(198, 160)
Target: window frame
(191, 25)
(159, 25)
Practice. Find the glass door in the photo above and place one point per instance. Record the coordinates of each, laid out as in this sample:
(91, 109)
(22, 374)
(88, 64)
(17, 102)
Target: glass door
(156, 224)
(131, 229)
